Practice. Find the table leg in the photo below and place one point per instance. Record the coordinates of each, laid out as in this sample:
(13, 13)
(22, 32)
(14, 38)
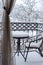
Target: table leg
(18, 46)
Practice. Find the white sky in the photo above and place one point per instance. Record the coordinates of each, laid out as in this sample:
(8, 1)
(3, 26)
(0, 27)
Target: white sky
(38, 6)
(19, 2)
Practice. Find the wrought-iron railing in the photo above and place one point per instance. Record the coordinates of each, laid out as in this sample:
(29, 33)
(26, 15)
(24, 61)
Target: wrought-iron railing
(24, 26)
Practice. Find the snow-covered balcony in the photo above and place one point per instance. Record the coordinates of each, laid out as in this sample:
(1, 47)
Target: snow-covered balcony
(34, 29)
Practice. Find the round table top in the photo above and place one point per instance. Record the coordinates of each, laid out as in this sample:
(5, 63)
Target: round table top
(20, 34)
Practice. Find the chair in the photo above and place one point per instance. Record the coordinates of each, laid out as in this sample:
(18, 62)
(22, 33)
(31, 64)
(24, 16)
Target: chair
(34, 43)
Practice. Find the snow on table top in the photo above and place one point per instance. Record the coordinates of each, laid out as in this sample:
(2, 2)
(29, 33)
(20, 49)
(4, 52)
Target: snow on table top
(20, 34)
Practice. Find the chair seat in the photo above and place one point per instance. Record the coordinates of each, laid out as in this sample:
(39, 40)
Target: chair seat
(34, 44)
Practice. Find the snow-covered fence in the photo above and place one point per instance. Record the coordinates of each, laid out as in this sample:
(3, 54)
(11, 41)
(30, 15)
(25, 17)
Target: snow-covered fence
(24, 26)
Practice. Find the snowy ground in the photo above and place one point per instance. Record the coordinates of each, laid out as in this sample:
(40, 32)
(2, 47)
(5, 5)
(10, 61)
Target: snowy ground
(33, 59)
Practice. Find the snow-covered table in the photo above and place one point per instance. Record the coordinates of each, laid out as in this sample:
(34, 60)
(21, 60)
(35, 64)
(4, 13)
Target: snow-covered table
(19, 35)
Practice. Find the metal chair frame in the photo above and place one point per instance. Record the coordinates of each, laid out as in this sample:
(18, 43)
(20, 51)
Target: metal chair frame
(29, 47)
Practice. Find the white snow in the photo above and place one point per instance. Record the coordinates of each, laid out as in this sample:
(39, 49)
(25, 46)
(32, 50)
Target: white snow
(32, 59)
(20, 34)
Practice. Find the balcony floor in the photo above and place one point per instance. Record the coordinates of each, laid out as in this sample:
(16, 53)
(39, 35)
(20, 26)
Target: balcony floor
(33, 59)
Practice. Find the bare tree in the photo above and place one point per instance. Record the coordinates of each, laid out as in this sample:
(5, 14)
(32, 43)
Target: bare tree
(25, 11)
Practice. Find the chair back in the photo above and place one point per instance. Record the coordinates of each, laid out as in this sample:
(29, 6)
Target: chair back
(39, 42)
